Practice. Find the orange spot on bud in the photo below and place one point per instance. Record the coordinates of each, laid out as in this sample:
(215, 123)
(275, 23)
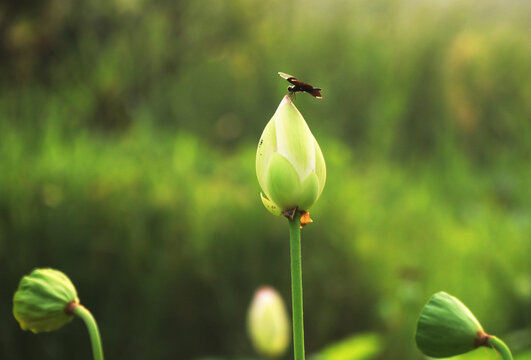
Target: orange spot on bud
(305, 219)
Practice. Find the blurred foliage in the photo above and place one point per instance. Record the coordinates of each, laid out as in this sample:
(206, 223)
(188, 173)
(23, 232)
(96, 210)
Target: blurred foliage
(128, 132)
(485, 354)
(357, 347)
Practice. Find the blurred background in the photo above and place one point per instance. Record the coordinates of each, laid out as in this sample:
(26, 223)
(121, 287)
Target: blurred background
(128, 132)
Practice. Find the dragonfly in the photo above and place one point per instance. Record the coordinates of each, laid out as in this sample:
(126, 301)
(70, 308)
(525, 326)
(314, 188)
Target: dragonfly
(299, 86)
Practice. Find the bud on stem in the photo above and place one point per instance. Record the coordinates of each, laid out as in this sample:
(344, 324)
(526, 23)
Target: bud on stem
(289, 163)
(268, 323)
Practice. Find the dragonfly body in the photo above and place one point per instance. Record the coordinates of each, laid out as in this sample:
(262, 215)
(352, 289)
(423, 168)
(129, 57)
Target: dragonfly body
(299, 86)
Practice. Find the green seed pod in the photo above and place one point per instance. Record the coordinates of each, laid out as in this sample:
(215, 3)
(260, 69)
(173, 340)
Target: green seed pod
(268, 323)
(447, 328)
(43, 300)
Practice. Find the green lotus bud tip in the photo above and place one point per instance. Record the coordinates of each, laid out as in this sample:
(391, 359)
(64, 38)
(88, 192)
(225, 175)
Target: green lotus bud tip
(44, 300)
(289, 163)
(268, 323)
(447, 328)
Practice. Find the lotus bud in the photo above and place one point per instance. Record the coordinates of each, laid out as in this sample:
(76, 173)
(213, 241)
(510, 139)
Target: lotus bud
(44, 300)
(268, 323)
(289, 163)
(447, 328)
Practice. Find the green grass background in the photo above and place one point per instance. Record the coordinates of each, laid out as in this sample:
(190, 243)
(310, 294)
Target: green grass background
(128, 132)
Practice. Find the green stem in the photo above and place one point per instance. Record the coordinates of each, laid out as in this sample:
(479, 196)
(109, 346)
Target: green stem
(500, 347)
(296, 286)
(92, 327)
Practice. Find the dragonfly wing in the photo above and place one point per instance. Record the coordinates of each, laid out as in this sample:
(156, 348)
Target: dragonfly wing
(315, 93)
(286, 76)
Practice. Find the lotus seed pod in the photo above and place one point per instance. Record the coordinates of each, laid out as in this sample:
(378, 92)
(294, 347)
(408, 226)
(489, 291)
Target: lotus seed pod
(43, 300)
(447, 328)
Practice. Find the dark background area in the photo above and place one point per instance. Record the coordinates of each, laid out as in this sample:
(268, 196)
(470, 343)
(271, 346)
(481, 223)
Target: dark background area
(128, 131)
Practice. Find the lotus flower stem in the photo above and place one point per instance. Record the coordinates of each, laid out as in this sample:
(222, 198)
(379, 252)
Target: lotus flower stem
(296, 286)
(92, 327)
(500, 347)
